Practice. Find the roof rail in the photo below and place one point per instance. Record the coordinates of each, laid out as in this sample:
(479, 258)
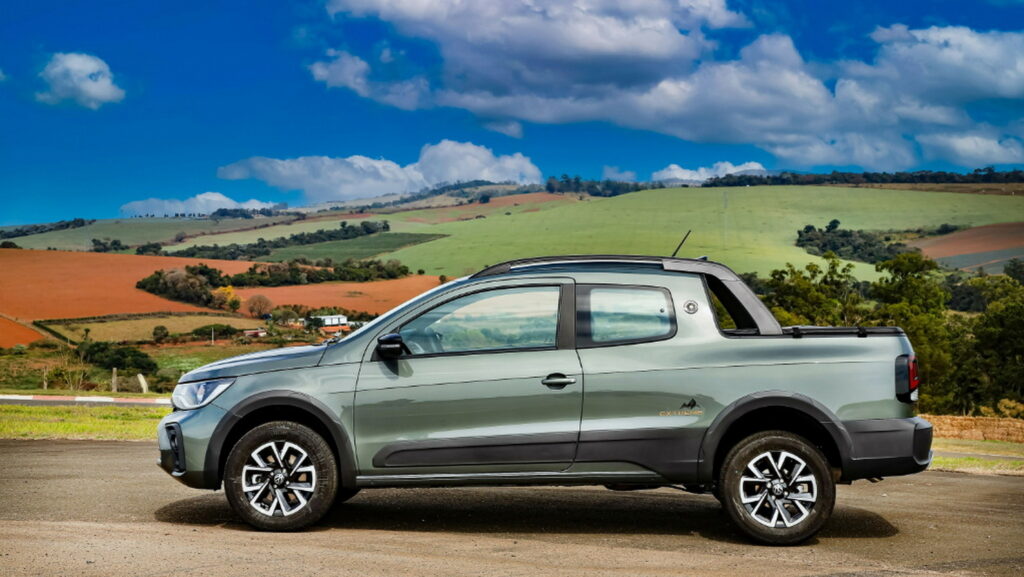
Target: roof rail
(504, 267)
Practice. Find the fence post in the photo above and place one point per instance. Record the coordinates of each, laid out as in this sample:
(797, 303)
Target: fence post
(143, 383)
(113, 380)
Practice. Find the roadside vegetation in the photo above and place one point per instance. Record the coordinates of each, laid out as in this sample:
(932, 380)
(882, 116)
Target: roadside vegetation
(77, 422)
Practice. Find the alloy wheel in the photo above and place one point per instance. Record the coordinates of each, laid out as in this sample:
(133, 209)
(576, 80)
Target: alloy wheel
(778, 489)
(278, 478)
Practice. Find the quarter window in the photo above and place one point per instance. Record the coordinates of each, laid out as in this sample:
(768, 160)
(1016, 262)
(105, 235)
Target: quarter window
(500, 319)
(622, 315)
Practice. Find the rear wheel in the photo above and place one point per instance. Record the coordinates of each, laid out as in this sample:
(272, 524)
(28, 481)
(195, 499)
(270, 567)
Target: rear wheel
(777, 487)
(281, 476)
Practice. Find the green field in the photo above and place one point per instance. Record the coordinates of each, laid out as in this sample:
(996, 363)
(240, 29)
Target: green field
(749, 228)
(360, 247)
(135, 231)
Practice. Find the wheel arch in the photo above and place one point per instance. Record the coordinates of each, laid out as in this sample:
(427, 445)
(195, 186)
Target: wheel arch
(278, 406)
(773, 410)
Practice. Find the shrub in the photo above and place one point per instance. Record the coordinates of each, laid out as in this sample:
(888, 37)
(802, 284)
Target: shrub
(217, 330)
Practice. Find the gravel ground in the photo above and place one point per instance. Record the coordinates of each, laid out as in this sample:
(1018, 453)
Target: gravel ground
(104, 508)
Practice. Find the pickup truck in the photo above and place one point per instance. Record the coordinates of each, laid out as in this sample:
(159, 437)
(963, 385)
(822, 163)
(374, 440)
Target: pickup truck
(570, 370)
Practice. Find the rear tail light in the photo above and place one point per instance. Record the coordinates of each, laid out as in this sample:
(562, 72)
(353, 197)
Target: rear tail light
(907, 379)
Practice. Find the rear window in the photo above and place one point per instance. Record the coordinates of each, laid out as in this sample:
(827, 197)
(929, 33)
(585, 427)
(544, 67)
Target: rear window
(611, 315)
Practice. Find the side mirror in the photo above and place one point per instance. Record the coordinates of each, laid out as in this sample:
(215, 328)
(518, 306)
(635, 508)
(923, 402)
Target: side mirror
(391, 346)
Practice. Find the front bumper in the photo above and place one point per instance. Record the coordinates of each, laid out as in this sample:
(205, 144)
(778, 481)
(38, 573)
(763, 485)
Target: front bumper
(183, 438)
(887, 447)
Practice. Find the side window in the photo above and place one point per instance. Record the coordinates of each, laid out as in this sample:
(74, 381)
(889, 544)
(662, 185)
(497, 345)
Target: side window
(610, 315)
(500, 319)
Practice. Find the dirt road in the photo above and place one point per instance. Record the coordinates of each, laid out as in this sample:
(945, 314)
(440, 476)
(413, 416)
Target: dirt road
(104, 508)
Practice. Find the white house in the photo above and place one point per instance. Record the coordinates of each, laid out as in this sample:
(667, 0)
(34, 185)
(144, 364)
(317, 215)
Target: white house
(333, 320)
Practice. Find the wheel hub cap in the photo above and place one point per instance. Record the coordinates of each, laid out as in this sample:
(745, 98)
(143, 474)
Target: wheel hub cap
(279, 479)
(778, 489)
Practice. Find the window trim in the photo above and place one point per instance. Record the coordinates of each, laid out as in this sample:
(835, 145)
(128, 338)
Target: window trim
(709, 294)
(585, 340)
(563, 328)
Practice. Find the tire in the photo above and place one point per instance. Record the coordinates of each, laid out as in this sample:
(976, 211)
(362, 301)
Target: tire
(281, 498)
(777, 488)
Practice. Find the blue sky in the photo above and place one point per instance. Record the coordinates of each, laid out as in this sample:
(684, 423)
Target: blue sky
(107, 105)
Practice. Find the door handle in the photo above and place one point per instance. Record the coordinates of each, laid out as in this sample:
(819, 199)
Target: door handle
(557, 381)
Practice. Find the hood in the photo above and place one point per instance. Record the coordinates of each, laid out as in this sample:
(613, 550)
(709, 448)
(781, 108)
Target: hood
(261, 362)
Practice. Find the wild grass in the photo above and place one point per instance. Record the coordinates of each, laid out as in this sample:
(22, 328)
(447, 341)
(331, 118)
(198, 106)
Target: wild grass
(75, 422)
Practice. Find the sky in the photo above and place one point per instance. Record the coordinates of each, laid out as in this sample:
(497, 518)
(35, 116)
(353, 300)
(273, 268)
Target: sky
(120, 108)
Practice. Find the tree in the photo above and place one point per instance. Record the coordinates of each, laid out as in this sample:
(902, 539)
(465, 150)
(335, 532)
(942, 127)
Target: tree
(234, 304)
(485, 198)
(223, 296)
(910, 281)
(1015, 270)
(814, 295)
(153, 248)
(259, 306)
(160, 333)
(8, 244)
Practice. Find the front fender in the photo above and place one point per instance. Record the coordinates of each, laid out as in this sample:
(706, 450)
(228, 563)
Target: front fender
(216, 455)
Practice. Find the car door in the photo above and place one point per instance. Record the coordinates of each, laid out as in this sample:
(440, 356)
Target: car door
(491, 383)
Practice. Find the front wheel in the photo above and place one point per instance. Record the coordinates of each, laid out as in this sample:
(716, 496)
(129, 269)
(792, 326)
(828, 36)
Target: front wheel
(281, 476)
(777, 487)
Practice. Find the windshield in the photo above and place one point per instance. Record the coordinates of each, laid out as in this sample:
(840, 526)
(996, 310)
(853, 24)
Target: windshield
(386, 317)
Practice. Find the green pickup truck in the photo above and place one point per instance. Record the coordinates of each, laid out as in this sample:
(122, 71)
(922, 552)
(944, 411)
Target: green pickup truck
(624, 371)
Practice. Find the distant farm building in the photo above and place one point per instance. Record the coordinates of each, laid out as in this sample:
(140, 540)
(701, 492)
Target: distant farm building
(333, 320)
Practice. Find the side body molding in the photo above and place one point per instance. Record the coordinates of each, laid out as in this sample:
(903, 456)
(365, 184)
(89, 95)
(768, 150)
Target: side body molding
(216, 454)
(744, 406)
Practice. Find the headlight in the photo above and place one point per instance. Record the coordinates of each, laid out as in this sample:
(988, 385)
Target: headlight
(188, 396)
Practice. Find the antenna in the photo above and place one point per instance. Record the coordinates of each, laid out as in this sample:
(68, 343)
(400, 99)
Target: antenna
(675, 252)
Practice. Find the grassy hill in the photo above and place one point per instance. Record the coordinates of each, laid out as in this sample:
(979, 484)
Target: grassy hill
(749, 228)
(135, 231)
(361, 247)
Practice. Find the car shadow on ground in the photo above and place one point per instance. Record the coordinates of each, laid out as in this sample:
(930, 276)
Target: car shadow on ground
(528, 511)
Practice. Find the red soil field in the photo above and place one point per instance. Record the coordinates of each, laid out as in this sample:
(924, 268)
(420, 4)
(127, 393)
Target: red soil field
(44, 284)
(372, 297)
(11, 333)
(978, 239)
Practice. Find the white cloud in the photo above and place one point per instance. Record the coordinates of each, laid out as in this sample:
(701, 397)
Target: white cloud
(83, 78)
(204, 203)
(651, 65)
(973, 149)
(511, 128)
(613, 173)
(542, 45)
(324, 178)
(676, 172)
(349, 71)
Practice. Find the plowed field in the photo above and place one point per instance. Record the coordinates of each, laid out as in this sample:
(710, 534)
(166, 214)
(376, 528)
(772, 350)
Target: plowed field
(373, 297)
(41, 284)
(11, 333)
(977, 239)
